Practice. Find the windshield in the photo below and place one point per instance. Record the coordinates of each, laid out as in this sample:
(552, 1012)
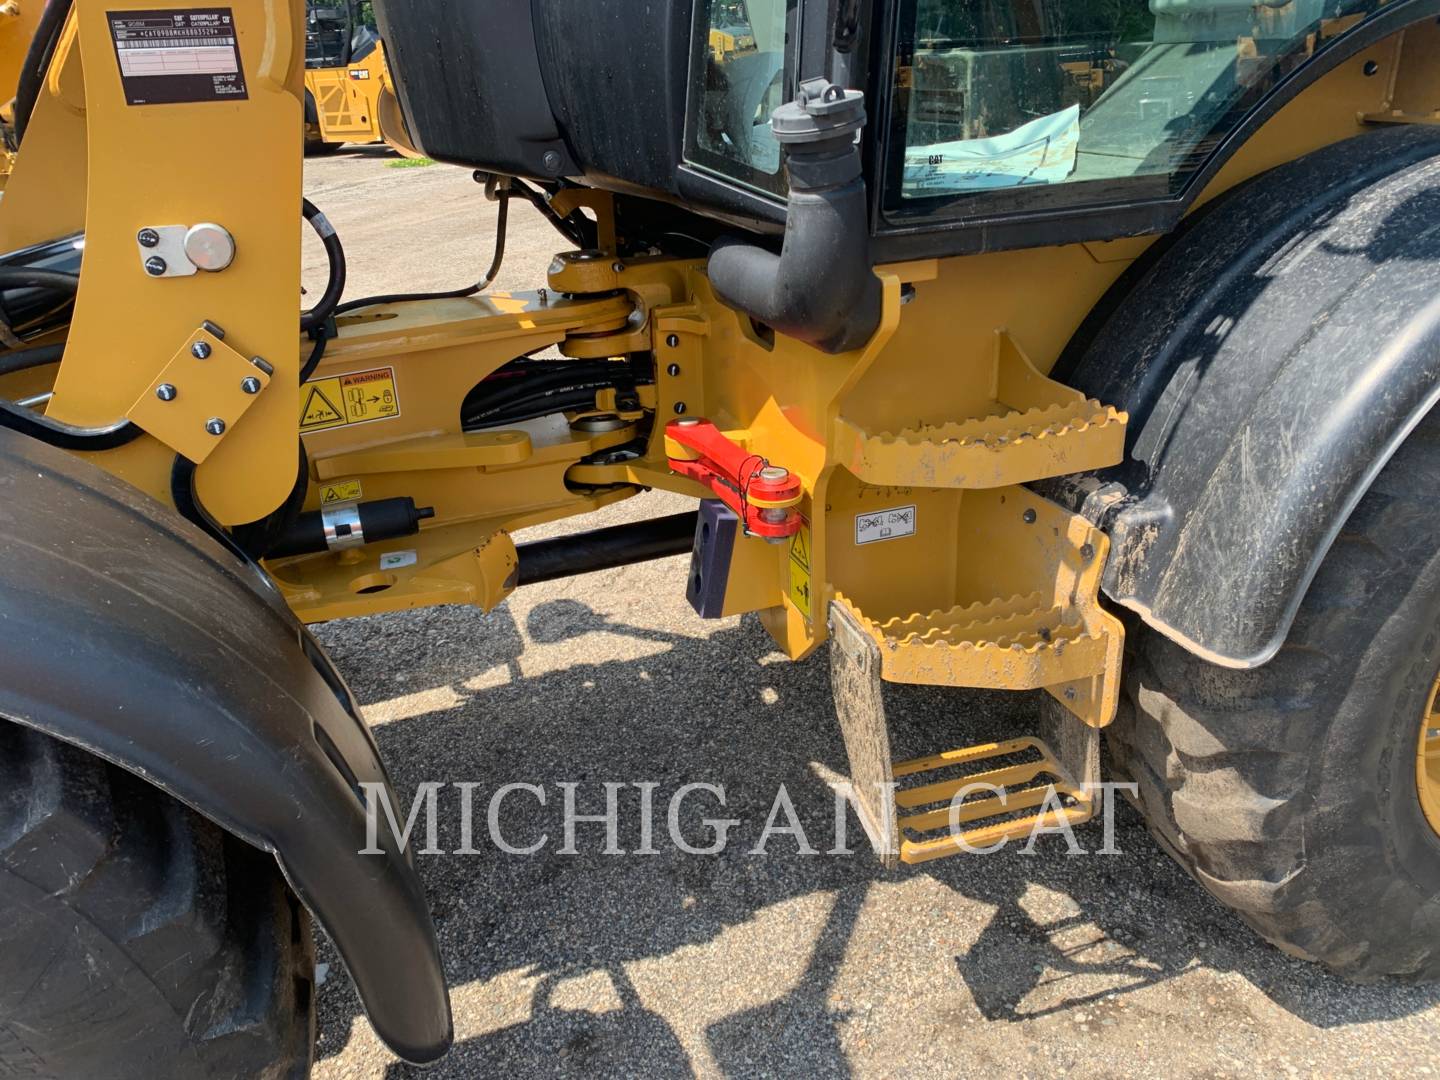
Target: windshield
(1104, 95)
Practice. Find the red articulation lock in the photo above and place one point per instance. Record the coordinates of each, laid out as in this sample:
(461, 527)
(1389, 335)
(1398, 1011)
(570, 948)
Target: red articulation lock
(763, 496)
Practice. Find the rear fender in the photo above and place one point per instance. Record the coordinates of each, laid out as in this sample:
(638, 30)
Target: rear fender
(1272, 357)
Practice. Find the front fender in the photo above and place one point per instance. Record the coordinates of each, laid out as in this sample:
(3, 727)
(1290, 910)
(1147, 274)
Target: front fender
(1272, 359)
(130, 633)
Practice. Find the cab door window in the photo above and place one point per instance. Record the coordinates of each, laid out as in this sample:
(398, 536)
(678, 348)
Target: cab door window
(741, 68)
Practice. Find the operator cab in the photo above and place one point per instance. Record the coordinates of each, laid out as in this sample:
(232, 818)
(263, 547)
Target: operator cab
(336, 36)
(990, 123)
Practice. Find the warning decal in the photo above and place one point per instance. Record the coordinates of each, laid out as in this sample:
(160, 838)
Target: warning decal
(189, 54)
(356, 398)
(800, 569)
(340, 491)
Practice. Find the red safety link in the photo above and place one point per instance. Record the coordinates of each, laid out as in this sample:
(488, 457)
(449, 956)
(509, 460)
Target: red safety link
(763, 496)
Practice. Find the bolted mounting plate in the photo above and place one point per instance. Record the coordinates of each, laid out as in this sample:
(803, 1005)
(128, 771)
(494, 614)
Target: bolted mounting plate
(204, 390)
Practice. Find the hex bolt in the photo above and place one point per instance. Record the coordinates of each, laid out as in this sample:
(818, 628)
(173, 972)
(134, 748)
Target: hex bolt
(148, 238)
(1087, 552)
(679, 408)
(672, 370)
(250, 384)
(215, 426)
(155, 266)
(673, 340)
(165, 391)
(200, 350)
(551, 161)
(1029, 517)
(263, 364)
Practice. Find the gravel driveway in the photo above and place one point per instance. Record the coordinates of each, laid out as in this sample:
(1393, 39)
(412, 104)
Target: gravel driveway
(781, 964)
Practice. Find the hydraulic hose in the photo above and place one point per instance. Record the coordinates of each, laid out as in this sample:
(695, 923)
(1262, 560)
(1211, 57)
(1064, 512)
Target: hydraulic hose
(63, 435)
(493, 191)
(37, 62)
(335, 253)
(23, 277)
(576, 228)
(24, 359)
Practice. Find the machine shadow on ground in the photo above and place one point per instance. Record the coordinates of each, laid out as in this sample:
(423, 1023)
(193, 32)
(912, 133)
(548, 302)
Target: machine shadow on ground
(726, 711)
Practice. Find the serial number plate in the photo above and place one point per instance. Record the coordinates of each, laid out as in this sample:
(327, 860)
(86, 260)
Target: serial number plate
(167, 57)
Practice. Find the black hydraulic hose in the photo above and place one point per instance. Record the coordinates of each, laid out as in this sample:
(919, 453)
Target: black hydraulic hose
(24, 359)
(502, 214)
(579, 230)
(37, 62)
(187, 502)
(335, 253)
(322, 334)
(66, 436)
(533, 387)
(24, 277)
(529, 381)
(581, 398)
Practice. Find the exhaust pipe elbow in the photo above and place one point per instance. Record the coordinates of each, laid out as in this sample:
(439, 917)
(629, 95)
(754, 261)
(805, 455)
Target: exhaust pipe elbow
(820, 288)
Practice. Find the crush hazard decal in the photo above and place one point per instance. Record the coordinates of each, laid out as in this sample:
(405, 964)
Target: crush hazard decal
(800, 569)
(356, 398)
(190, 54)
(342, 491)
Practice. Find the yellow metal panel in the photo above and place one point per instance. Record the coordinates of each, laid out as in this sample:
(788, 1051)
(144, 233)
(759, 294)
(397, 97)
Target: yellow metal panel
(248, 180)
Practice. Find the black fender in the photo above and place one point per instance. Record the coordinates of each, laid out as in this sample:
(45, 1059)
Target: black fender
(1272, 355)
(132, 634)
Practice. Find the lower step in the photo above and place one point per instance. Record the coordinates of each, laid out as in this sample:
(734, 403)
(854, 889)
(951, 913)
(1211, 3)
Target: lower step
(979, 797)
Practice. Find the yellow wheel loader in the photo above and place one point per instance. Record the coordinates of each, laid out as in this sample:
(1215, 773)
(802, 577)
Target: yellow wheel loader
(1081, 348)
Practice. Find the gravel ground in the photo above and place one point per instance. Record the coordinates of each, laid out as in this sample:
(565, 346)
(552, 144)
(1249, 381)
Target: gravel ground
(739, 964)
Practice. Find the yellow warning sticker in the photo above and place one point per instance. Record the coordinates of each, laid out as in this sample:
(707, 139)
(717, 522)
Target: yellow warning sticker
(340, 491)
(356, 398)
(800, 569)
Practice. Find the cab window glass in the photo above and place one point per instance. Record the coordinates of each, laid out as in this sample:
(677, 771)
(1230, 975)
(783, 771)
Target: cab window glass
(739, 74)
(1100, 98)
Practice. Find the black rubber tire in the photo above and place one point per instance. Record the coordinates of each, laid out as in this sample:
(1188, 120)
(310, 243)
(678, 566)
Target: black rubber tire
(139, 940)
(320, 148)
(1289, 791)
